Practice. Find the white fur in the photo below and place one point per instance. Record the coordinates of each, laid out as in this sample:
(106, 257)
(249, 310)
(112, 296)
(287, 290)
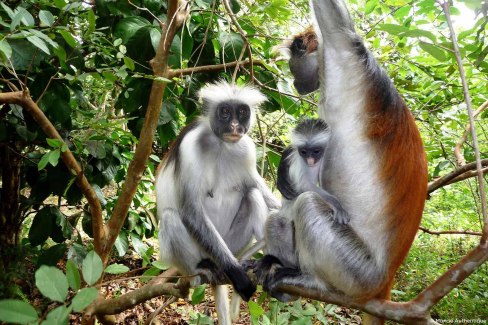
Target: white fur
(352, 169)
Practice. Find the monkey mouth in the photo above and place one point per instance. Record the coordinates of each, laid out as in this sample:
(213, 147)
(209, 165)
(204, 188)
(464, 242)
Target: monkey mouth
(232, 137)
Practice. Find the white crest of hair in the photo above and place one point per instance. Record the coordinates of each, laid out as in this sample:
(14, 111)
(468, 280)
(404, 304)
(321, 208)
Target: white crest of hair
(221, 91)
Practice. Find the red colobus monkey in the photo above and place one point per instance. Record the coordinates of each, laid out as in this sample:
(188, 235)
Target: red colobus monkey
(211, 200)
(378, 171)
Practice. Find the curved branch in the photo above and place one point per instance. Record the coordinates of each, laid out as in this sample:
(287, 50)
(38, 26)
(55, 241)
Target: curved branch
(24, 99)
(414, 311)
(456, 175)
(155, 288)
(177, 13)
(450, 232)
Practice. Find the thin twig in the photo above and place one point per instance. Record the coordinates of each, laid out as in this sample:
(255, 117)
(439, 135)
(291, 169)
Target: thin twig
(445, 7)
(242, 33)
(450, 232)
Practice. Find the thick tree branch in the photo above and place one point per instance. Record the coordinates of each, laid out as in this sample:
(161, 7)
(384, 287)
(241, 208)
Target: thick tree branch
(415, 311)
(155, 288)
(177, 13)
(445, 7)
(456, 175)
(24, 99)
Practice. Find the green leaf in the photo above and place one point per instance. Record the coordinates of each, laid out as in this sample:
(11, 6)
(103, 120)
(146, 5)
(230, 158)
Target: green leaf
(68, 38)
(55, 143)
(198, 294)
(433, 50)
(122, 243)
(231, 44)
(421, 33)
(149, 274)
(73, 275)
(5, 51)
(39, 43)
(92, 268)
(160, 265)
(129, 63)
(91, 23)
(24, 133)
(96, 148)
(255, 310)
(54, 157)
(27, 18)
(393, 29)
(43, 162)
(46, 18)
(52, 256)
(17, 311)
(41, 227)
(83, 298)
(370, 6)
(52, 283)
(127, 27)
(116, 269)
(57, 316)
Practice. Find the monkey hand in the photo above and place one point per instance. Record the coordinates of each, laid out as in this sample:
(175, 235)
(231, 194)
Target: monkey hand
(241, 282)
(341, 216)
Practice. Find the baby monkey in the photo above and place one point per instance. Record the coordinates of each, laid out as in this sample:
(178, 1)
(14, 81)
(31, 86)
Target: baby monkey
(302, 162)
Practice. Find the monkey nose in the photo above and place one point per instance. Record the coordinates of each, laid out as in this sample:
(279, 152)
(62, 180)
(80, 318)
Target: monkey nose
(310, 161)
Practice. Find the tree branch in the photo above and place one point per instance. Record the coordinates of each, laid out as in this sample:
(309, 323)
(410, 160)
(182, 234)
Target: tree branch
(456, 175)
(177, 13)
(457, 150)
(24, 99)
(467, 98)
(450, 232)
(212, 68)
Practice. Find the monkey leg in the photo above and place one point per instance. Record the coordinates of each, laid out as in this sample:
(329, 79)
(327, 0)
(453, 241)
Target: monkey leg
(249, 221)
(331, 255)
(280, 238)
(178, 248)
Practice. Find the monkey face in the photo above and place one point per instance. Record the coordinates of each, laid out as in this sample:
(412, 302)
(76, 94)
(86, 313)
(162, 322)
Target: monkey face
(311, 154)
(231, 121)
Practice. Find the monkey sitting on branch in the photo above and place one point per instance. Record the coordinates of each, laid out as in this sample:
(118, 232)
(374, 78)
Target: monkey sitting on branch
(211, 200)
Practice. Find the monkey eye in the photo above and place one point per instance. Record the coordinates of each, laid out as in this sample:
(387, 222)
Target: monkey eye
(316, 151)
(243, 111)
(303, 152)
(225, 112)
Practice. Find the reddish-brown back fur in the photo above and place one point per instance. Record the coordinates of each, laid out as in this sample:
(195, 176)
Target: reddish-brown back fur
(403, 171)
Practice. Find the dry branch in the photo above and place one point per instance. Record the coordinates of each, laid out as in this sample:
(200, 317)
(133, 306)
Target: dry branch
(24, 99)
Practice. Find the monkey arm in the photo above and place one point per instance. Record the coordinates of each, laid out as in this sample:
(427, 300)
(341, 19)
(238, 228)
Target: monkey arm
(284, 182)
(340, 215)
(271, 201)
(206, 235)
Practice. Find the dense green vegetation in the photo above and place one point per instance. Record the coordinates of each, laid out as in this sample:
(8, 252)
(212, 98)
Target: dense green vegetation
(86, 64)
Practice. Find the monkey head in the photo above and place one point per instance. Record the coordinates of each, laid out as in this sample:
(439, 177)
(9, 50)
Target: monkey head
(230, 109)
(304, 64)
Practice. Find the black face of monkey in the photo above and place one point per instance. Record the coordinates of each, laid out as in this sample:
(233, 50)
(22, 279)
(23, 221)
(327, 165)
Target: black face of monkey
(311, 154)
(231, 120)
